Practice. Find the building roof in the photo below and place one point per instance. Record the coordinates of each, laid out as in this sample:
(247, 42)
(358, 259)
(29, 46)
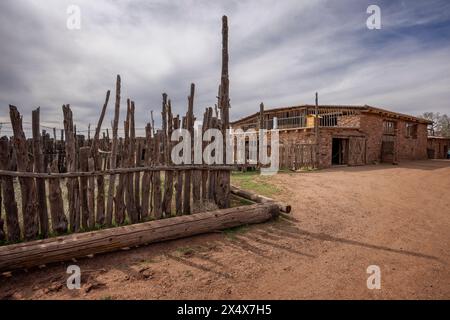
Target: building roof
(363, 108)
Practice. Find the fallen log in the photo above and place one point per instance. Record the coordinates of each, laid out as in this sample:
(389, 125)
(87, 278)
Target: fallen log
(283, 207)
(39, 252)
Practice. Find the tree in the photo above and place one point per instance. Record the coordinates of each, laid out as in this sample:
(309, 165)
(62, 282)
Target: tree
(441, 123)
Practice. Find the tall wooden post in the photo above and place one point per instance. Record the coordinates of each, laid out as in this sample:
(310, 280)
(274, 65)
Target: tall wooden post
(98, 165)
(188, 173)
(39, 167)
(223, 188)
(316, 130)
(113, 159)
(72, 183)
(27, 185)
(9, 199)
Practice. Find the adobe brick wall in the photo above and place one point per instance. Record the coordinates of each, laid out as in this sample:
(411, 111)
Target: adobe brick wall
(407, 148)
(306, 136)
(349, 121)
(438, 147)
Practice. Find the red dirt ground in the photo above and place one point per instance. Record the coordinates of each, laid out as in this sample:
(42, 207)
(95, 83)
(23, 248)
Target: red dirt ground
(343, 220)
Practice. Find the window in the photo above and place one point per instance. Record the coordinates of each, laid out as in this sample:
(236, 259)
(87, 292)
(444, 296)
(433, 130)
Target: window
(388, 127)
(411, 130)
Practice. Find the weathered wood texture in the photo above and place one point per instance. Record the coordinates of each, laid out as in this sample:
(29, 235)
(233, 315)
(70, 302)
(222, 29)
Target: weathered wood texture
(39, 167)
(35, 253)
(283, 207)
(27, 185)
(9, 200)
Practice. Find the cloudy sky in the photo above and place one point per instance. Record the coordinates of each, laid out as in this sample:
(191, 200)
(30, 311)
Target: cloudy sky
(281, 52)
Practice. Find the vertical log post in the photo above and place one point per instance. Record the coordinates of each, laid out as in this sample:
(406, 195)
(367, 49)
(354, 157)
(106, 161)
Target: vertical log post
(130, 157)
(204, 172)
(113, 159)
(2, 222)
(84, 167)
(168, 175)
(98, 165)
(39, 167)
(179, 178)
(223, 188)
(9, 199)
(157, 205)
(316, 131)
(27, 185)
(59, 220)
(187, 173)
(72, 183)
(146, 178)
(91, 194)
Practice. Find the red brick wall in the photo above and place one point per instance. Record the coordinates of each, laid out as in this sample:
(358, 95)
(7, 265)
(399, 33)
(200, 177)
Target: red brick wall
(438, 147)
(408, 148)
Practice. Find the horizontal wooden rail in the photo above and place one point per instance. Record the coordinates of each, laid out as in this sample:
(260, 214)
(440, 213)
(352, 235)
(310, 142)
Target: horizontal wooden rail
(39, 252)
(113, 171)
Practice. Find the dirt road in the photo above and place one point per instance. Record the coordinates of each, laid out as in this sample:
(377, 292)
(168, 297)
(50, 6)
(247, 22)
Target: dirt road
(344, 219)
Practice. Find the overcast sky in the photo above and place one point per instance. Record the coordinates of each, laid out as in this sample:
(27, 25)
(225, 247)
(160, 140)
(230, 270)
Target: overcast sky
(281, 52)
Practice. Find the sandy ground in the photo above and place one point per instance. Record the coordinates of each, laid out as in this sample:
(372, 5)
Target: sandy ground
(343, 220)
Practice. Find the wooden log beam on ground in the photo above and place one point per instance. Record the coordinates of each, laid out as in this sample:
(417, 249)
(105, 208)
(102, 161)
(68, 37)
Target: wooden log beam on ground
(35, 253)
(283, 207)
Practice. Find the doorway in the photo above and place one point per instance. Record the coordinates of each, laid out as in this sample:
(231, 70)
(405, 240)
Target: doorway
(339, 151)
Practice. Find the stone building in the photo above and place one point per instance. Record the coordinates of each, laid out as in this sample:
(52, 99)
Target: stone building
(438, 147)
(347, 135)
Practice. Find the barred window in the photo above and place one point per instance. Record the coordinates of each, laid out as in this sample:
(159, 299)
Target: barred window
(388, 127)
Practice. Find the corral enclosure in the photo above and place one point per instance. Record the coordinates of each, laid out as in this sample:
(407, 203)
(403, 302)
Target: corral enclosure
(52, 185)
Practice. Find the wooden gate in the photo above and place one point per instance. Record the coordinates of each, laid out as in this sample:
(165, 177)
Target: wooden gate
(357, 151)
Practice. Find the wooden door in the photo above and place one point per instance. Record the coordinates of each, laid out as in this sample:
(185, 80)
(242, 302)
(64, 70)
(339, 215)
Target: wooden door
(357, 151)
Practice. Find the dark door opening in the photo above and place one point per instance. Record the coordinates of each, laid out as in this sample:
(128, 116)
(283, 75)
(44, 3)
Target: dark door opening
(339, 151)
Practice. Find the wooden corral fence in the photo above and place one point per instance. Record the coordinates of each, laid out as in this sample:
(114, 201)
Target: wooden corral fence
(295, 156)
(54, 185)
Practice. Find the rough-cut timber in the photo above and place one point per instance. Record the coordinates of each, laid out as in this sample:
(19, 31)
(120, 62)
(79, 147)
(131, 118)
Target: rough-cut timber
(35, 253)
(98, 165)
(72, 184)
(9, 200)
(286, 208)
(59, 220)
(27, 186)
(187, 174)
(223, 177)
(39, 167)
(113, 159)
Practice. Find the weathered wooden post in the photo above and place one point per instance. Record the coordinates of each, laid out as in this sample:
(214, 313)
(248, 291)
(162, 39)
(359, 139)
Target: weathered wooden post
(157, 205)
(130, 156)
(113, 159)
(223, 188)
(316, 131)
(27, 185)
(72, 183)
(146, 177)
(9, 200)
(100, 219)
(59, 220)
(84, 167)
(39, 167)
(167, 119)
(187, 173)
